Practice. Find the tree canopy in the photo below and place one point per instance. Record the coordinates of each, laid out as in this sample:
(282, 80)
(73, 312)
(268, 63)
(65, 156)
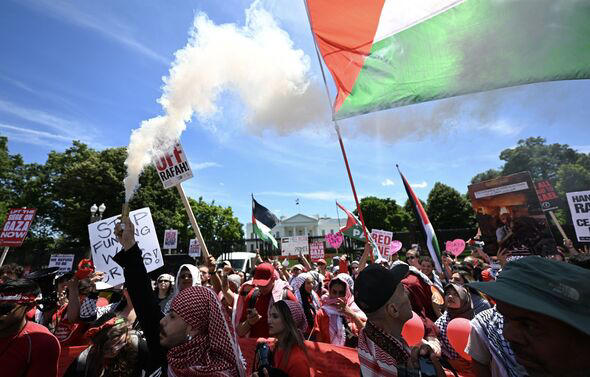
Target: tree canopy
(64, 188)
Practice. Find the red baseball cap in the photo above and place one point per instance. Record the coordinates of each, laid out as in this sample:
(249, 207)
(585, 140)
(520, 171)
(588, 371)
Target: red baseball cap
(263, 275)
(321, 261)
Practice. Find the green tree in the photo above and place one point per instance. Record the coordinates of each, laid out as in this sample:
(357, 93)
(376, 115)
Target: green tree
(486, 175)
(65, 187)
(448, 209)
(383, 214)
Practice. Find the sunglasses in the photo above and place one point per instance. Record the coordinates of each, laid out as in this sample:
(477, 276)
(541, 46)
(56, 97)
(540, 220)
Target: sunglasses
(186, 277)
(6, 309)
(411, 257)
(163, 281)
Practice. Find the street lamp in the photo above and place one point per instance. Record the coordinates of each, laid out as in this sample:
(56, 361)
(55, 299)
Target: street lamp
(101, 210)
(94, 217)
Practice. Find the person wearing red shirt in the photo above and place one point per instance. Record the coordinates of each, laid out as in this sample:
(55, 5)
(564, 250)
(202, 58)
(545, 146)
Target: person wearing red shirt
(287, 324)
(267, 291)
(27, 349)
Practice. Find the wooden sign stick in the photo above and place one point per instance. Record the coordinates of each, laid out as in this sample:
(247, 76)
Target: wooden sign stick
(558, 225)
(193, 220)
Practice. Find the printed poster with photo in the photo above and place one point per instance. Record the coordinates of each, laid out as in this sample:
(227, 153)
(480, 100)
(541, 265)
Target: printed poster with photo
(510, 216)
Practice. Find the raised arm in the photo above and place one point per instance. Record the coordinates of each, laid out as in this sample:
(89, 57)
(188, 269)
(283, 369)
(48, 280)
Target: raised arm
(140, 290)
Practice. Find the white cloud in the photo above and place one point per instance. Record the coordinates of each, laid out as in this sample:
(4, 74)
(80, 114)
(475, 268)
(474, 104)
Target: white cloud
(582, 148)
(35, 137)
(421, 185)
(204, 165)
(314, 195)
(503, 128)
(65, 126)
(387, 182)
(103, 23)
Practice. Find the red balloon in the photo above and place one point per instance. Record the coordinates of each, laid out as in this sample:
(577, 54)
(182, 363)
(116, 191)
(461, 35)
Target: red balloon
(413, 330)
(458, 333)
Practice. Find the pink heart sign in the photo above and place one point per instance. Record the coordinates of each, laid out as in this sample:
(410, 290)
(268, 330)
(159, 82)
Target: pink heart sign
(455, 247)
(395, 246)
(335, 240)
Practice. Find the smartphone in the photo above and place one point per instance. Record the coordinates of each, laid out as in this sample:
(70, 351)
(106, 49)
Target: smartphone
(426, 367)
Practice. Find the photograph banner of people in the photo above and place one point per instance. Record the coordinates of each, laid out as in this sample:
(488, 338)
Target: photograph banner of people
(510, 216)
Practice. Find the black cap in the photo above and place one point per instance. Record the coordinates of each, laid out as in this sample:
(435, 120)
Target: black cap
(375, 285)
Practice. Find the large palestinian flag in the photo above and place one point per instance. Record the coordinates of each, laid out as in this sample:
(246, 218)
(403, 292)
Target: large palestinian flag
(388, 53)
(263, 221)
(425, 225)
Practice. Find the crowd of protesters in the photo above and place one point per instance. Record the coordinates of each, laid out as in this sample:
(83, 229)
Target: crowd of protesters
(526, 316)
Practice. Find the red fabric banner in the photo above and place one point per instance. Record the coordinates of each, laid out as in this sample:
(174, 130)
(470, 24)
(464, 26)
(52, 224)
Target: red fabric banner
(325, 359)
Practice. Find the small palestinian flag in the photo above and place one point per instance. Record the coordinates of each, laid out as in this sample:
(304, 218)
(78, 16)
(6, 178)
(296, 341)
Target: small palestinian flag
(354, 229)
(425, 224)
(263, 221)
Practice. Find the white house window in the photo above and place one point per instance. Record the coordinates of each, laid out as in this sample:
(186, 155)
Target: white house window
(323, 232)
(331, 231)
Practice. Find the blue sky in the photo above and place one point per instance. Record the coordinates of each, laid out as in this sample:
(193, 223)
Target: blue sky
(93, 71)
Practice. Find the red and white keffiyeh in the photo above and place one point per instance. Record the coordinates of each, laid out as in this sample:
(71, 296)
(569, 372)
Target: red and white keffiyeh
(214, 351)
(331, 308)
(298, 315)
(380, 354)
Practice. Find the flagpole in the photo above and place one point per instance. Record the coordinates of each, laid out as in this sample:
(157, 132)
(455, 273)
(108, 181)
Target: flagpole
(336, 127)
(358, 206)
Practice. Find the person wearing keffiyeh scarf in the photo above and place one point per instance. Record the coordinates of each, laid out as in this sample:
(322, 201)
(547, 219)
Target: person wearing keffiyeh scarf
(210, 348)
(302, 285)
(340, 320)
(382, 351)
(195, 339)
(458, 303)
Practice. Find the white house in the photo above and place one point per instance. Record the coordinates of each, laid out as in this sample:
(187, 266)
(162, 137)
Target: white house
(297, 225)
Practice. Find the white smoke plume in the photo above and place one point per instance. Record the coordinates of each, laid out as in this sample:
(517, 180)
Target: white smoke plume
(257, 61)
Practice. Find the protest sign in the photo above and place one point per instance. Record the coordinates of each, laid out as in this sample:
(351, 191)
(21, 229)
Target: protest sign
(316, 251)
(62, 261)
(395, 246)
(510, 216)
(455, 247)
(294, 245)
(172, 167)
(579, 203)
(334, 240)
(194, 249)
(16, 226)
(383, 240)
(170, 239)
(104, 245)
(547, 195)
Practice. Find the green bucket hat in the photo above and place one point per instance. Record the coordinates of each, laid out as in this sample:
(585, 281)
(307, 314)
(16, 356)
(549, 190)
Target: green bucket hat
(556, 289)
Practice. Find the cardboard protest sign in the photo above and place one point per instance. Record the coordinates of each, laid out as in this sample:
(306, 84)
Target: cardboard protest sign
(383, 240)
(170, 239)
(316, 251)
(510, 216)
(62, 261)
(547, 195)
(172, 167)
(194, 249)
(15, 228)
(104, 245)
(579, 203)
(294, 245)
